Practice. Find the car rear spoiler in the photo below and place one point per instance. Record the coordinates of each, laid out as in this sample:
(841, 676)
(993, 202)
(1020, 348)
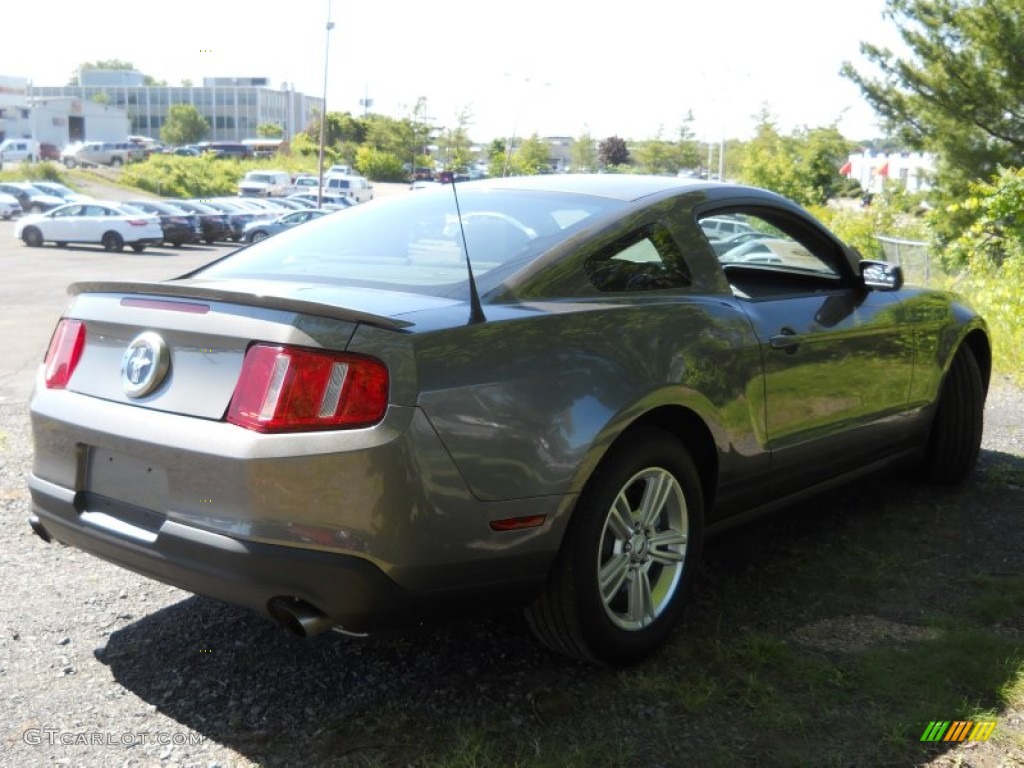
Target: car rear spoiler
(284, 303)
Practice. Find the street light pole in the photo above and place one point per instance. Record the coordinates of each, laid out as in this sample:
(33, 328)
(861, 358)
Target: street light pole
(323, 114)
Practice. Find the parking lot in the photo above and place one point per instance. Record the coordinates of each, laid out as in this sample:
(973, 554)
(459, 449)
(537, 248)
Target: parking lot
(33, 292)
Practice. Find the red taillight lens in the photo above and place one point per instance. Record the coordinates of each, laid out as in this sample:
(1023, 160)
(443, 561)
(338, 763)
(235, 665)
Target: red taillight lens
(138, 222)
(64, 352)
(287, 389)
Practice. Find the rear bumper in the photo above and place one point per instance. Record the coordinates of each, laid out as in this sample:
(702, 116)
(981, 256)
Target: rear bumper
(373, 528)
(353, 593)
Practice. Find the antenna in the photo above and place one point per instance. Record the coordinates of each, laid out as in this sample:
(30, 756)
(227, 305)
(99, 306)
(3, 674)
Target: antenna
(476, 312)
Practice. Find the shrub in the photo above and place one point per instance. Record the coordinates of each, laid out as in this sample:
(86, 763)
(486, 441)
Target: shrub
(379, 166)
(47, 171)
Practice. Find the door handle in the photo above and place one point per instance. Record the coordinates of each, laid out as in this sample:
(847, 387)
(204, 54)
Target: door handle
(786, 339)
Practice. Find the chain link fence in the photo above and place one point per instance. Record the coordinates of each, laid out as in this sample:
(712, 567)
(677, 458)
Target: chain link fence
(912, 256)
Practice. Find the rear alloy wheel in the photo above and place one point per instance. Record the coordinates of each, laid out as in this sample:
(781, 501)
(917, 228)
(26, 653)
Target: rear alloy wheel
(629, 556)
(113, 242)
(257, 236)
(955, 438)
(32, 237)
(138, 247)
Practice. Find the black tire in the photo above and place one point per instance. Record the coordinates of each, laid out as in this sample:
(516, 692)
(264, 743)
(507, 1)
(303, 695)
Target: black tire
(112, 242)
(608, 541)
(61, 244)
(258, 235)
(115, 161)
(32, 237)
(210, 240)
(955, 438)
(138, 247)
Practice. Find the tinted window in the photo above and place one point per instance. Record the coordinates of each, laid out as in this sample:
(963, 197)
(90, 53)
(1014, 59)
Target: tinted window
(646, 259)
(415, 241)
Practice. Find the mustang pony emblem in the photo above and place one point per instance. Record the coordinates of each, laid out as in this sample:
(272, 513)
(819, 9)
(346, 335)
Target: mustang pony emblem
(144, 364)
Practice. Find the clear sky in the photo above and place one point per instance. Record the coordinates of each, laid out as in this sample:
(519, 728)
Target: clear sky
(631, 69)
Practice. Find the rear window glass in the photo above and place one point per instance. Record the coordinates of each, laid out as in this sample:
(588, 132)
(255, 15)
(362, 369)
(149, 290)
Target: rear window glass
(414, 242)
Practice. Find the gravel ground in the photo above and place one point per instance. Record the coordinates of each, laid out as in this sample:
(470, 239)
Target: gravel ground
(100, 667)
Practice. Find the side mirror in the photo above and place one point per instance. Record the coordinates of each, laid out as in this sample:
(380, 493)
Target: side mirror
(881, 275)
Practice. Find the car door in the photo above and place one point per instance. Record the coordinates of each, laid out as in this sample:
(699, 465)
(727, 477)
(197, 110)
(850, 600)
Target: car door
(837, 359)
(93, 222)
(62, 224)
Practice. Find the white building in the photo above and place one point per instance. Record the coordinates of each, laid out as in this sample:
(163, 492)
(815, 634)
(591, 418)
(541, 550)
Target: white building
(234, 107)
(913, 170)
(57, 121)
(13, 107)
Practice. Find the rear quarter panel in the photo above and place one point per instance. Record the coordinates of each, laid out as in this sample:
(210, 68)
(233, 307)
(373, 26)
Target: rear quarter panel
(528, 405)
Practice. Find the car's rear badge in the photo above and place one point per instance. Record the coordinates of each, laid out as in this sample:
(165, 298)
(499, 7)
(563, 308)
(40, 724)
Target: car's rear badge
(144, 364)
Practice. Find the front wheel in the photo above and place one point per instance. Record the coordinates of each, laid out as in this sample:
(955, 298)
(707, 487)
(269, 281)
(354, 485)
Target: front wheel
(258, 235)
(955, 438)
(113, 242)
(629, 556)
(32, 237)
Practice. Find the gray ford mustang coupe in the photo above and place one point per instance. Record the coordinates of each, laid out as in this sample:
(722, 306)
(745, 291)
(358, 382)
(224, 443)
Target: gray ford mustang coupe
(536, 393)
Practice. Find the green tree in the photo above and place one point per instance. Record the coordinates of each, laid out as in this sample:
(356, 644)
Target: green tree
(533, 156)
(583, 154)
(687, 150)
(959, 89)
(803, 166)
(110, 64)
(184, 125)
(497, 152)
(613, 151)
(456, 144)
(771, 161)
(341, 127)
(269, 131)
(997, 233)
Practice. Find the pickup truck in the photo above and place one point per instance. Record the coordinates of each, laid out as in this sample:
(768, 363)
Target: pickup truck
(266, 184)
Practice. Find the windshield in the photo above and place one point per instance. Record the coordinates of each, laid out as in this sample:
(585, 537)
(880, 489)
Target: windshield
(413, 242)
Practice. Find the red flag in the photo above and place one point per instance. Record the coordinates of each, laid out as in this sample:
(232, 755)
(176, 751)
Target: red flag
(847, 169)
(883, 169)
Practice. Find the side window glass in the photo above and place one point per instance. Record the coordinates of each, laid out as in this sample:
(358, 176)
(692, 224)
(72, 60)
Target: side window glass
(647, 259)
(767, 258)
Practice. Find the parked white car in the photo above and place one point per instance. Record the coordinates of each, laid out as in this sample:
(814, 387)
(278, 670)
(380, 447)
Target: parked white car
(108, 224)
(9, 206)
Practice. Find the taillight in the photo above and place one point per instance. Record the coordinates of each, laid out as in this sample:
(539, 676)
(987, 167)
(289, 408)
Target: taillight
(138, 222)
(64, 352)
(284, 389)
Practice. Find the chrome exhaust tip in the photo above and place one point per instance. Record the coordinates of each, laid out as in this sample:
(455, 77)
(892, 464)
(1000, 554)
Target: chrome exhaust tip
(299, 617)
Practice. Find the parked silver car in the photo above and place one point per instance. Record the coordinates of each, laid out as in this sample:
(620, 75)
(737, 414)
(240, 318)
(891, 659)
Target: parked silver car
(545, 398)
